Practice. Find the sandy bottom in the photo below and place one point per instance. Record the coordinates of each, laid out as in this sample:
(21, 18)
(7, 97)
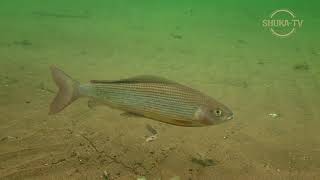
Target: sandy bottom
(83, 143)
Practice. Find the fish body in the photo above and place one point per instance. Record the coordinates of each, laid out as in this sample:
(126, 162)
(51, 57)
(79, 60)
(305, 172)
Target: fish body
(148, 96)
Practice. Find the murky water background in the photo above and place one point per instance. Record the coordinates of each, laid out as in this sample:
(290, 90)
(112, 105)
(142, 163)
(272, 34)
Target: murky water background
(220, 49)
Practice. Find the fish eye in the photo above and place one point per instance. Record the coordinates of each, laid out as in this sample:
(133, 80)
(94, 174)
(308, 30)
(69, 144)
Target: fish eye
(218, 112)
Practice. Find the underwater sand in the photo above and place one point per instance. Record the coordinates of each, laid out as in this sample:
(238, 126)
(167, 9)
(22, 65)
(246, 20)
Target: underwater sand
(202, 46)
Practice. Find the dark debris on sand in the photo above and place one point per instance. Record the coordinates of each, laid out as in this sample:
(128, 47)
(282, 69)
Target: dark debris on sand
(151, 129)
(176, 36)
(301, 67)
(204, 162)
(23, 43)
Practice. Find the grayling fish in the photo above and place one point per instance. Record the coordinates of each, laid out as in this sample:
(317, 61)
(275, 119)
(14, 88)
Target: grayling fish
(147, 96)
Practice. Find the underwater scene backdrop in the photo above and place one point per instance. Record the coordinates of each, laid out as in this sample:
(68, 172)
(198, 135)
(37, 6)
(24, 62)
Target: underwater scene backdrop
(231, 51)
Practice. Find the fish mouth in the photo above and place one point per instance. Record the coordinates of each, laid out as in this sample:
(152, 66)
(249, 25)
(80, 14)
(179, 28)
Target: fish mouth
(230, 117)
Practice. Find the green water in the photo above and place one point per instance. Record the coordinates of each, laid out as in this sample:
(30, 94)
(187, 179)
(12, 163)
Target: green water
(221, 49)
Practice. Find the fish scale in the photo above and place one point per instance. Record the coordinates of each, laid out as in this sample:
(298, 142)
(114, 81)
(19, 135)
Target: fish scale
(159, 89)
(171, 103)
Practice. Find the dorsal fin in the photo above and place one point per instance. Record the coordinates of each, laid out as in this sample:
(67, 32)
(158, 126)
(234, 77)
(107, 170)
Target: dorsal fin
(137, 79)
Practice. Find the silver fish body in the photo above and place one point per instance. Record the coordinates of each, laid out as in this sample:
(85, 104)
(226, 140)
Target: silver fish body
(148, 96)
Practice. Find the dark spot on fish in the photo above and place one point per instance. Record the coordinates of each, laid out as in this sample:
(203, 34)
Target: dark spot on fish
(176, 36)
(204, 162)
(260, 62)
(151, 129)
(301, 67)
(28, 102)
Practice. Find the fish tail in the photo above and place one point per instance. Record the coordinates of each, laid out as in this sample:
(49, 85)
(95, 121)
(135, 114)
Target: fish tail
(68, 90)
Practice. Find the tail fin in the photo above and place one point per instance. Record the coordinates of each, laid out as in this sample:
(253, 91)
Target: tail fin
(68, 90)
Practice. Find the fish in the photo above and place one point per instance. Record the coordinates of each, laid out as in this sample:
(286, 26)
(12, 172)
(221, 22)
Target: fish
(145, 96)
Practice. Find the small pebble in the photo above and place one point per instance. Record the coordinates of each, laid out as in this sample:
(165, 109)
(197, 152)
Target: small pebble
(301, 67)
(151, 138)
(273, 115)
(106, 175)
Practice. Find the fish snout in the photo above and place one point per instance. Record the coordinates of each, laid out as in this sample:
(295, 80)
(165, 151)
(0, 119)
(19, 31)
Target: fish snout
(230, 117)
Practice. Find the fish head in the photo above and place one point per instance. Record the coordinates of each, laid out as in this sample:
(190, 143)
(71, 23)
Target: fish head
(213, 114)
